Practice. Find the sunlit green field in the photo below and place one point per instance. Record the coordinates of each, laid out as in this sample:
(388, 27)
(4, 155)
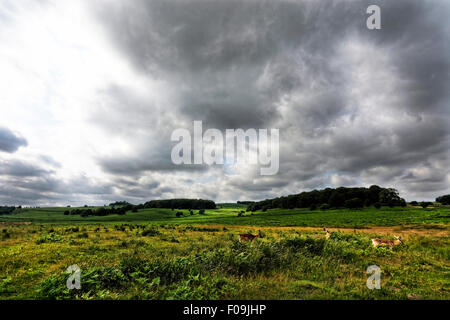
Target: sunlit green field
(152, 254)
(276, 217)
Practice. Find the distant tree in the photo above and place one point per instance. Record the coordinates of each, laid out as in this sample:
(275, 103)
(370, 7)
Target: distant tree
(374, 193)
(201, 211)
(426, 204)
(66, 213)
(390, 197)
(324, 207)
(445, 200)
(135, 209)
(191, 212)
(377, 205)
(179, 214)
(313, 207)
(119, 203)
(181, 204)
(414, 203)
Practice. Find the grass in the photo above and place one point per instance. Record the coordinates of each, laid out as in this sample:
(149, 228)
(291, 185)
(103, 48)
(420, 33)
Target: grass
(154, 255)
(228, 216)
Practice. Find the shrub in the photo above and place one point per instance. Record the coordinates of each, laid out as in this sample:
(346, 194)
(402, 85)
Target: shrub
(310, 245)
(49, 238)
(151, 232)
(313, 207)
(83, 235)
(377, 205)
(201, 211)
(93, 280)
(324, 207)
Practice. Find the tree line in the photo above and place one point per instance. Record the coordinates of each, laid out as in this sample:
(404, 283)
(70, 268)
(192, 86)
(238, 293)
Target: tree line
(121, 207)
(334, 198)
(181, 204)
(7, 210)
(102, 211)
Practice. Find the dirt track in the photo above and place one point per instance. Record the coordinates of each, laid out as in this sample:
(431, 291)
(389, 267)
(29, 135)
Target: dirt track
(14, 223)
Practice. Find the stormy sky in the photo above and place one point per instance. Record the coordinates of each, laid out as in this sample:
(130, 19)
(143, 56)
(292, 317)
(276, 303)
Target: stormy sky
(90, 92)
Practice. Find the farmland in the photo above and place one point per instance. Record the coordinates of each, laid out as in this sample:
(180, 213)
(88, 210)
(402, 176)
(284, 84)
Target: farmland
(152, 254)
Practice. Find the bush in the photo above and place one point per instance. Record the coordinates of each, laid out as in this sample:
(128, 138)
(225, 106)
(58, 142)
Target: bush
(377, 205)
(83, 235)
(150, 232)
(313, 207)
(201, 211)
(93, 280)
(49, 238)
(324, 207)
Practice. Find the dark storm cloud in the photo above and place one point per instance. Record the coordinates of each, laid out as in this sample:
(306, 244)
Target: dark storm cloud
(10, 142)
(133, 166)
(258, 64)
(22, 169)
(46, 188)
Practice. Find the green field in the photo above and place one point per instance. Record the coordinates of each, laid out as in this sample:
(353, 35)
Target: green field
(152, 254)
(228, 216)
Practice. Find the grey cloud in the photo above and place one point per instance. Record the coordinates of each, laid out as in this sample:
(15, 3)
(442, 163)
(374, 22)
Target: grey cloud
(22, 169)
(263, 64)
(10, 142)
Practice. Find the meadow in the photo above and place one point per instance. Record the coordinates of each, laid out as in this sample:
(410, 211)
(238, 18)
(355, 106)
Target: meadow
(152, 254)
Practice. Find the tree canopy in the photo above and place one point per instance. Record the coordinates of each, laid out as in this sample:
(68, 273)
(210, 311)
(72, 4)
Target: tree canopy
(334, 198)
(445, 200)
(181, 204)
